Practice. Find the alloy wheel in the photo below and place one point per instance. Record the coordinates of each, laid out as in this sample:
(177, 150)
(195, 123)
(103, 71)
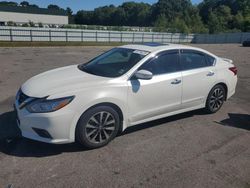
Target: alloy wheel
(100, 127)
(216, 99)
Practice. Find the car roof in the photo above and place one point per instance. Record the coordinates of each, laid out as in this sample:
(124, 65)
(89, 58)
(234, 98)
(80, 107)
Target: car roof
(155, 47)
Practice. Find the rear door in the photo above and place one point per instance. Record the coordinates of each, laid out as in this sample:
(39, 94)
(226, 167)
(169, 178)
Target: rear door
(198, 74)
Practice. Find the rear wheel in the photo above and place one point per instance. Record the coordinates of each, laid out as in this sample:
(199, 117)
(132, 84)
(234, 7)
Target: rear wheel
(97, 127)
(215, 99)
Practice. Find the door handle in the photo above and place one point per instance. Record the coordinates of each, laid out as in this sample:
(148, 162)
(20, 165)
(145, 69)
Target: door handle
(211, 73)
(176, 81)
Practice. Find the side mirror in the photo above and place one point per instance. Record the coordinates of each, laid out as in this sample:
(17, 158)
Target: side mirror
(144, 75)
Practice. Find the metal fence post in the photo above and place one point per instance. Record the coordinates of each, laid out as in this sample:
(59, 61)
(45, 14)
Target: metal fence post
(109, 37)
(66, 34)
(96, 37)
(241, 37)
(171, 38)
(31, 37)
(162, 39)
(133, 37)
(121, 37)
(152, 37)
(50, 35)
(143, 37)
(11, 36)
(82, 36)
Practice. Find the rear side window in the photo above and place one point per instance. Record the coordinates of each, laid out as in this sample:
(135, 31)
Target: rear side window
(210, 60)
(164, 63)
(191, 59)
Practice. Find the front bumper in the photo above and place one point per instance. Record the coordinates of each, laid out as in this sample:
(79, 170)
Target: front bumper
(57, 124)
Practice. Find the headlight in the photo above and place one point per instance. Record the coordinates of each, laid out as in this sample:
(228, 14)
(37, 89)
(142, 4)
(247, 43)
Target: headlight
(45, 105)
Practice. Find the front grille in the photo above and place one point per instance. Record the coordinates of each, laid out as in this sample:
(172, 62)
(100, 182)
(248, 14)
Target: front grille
(22, 97)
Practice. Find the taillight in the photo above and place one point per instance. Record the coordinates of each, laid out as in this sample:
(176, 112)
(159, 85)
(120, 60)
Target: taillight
(234, 70)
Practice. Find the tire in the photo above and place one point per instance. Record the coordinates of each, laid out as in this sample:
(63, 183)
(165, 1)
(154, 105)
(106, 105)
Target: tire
(93, 134)
(215, 99)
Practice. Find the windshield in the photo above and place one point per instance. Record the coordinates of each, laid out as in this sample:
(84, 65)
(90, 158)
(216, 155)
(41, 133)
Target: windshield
(113, 63)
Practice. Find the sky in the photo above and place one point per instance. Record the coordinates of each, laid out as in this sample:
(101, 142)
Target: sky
(76, 5)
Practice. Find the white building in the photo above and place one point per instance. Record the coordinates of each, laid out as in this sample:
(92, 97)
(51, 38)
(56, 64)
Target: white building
(21, 15)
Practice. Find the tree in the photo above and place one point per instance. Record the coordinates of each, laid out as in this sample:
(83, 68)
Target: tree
(211, 16)
(238, 21)
(180, 26)
(247, 24)
(160, 23)
(136, 14)
(40, 24)
(69, 13)
(171, 8)
(84, 17)
(25, 25)
(31, 24)
(194, 21)
(8, 3)
(103, 15)
(34, 6)
(24, 4)
(118, 17)
(214, 24)
(11, 23)
(143, 14)
(54, 7)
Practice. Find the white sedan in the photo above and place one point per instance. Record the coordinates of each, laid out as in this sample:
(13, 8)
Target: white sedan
(125, 86)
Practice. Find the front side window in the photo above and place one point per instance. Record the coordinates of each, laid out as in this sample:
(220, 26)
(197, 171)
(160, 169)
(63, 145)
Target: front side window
(113, 63)
(192, 60)
(163, 63)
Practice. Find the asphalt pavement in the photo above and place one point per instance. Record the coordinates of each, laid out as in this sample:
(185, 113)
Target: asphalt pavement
(192, 149)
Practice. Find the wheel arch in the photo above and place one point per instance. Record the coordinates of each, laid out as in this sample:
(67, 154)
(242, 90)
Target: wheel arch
(109, 104)
(224, 85)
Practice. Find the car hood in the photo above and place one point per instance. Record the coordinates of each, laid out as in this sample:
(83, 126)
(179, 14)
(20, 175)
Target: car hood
(60, 80)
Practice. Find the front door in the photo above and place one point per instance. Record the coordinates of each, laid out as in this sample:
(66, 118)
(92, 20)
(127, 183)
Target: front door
(151, 99)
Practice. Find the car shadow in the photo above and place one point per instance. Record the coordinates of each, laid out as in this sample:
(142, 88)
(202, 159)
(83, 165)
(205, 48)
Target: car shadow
(243, 46)
(241, 121)
(162, 121)
(8, 126)
(11, 142)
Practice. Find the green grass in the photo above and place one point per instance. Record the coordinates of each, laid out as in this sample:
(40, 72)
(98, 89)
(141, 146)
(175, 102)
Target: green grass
(47, 44)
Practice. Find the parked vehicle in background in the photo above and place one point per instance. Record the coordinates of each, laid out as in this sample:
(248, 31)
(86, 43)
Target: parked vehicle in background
(246, 43)
(125, 86)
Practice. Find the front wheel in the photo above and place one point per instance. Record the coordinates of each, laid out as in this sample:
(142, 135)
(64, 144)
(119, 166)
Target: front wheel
(215, 99)
(97, 127)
